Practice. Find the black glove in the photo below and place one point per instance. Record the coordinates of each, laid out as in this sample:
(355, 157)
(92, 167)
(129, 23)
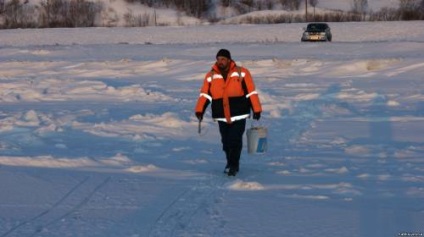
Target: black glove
(199, 116)
(257, 115)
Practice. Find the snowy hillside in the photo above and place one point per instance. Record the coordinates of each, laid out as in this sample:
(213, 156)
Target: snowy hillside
(346, 5)
(170, 17)
(114, 12)
(98, 137)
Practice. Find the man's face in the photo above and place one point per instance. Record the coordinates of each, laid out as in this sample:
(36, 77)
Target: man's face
(223, 62)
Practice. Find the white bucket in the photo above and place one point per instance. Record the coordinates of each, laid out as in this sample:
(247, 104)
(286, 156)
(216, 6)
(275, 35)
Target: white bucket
(257, 140)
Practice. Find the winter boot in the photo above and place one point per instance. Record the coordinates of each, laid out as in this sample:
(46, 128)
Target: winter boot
(232, 172)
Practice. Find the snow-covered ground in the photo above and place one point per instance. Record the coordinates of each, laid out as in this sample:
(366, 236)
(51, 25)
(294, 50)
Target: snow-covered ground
(98, 136)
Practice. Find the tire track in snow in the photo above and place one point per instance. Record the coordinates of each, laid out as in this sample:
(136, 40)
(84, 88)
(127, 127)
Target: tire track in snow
(49, 213)
(75, 208)
(175, 219)
(72, 190)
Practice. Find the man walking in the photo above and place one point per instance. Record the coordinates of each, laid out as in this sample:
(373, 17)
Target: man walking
(232, 94)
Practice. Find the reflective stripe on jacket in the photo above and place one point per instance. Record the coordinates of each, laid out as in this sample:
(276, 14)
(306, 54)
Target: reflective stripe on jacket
(230, 99)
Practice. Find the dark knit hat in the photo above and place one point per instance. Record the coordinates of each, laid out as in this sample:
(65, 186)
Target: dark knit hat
(224, 53)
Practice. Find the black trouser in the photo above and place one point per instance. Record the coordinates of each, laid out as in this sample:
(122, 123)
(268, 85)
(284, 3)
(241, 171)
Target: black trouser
(232, 141)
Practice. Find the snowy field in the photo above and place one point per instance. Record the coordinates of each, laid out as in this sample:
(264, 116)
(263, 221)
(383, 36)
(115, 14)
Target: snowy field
(99, 138)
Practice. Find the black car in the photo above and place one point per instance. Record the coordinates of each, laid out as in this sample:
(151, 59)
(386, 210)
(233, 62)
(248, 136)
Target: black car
(317, 32)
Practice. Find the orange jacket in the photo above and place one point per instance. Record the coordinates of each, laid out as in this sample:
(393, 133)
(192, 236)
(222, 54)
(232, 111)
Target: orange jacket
(231, 99)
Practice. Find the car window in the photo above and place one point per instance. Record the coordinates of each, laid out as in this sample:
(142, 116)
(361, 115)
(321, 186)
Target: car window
(316, 27)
